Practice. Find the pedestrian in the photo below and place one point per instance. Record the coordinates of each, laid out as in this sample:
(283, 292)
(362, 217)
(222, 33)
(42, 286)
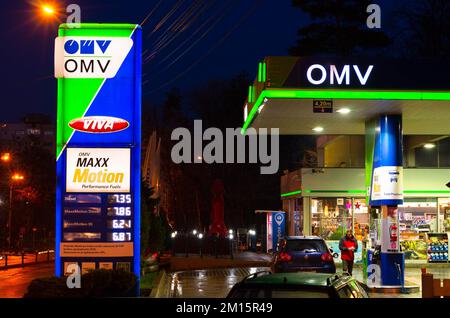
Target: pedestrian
(348, 246)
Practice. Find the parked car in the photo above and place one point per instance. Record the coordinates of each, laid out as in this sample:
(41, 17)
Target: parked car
(303, 253)
(298, 285)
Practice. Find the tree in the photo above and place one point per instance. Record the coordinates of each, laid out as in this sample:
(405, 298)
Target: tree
(337, 28)
(424, 29)
(153, 230)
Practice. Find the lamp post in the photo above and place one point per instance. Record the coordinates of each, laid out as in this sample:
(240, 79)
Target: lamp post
(252, 237)
(173, 236)
(231, 237)
(16, 177)
(200, 237)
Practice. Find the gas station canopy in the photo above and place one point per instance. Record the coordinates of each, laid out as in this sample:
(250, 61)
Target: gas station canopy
(334, 97)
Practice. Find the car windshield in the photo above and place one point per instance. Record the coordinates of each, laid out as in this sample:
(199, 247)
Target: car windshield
(300, 294)
(306, 246)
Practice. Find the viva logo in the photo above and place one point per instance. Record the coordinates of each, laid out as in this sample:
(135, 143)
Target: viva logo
(99, 124)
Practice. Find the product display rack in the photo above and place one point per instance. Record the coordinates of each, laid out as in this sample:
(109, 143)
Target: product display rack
(437, 247)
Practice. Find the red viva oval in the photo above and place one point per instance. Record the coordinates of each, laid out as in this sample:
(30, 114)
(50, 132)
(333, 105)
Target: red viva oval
(99, 124)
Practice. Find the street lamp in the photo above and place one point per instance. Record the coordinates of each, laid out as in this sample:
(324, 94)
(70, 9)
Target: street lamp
(48, 10)
(231, 237)
(16, 177)
(252, 234)
(5, 157)
(194, 232)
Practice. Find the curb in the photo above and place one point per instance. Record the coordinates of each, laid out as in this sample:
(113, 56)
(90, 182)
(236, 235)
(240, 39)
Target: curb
(160, 287)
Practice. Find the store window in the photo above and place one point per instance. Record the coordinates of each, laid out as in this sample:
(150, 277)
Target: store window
(427, 151)
(417, 217)
(332, 217)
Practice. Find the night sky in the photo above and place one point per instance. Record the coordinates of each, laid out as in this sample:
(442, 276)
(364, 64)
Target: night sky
(225, 38)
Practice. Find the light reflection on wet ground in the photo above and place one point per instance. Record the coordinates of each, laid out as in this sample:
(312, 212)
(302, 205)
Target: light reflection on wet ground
(216, 283)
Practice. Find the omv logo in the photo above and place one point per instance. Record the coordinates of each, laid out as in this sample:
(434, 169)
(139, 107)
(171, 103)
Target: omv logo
(279, 218)
(86, 47)
(90, 57)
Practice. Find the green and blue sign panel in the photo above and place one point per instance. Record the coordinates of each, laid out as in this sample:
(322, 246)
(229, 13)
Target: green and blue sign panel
(98, 68)
(278, 227)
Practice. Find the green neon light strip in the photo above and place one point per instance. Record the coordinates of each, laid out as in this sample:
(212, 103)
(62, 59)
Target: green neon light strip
(336, 191)
(363, 192)
(342, 94)
(250, 95)
(291, 193)
(427, 191)
(264, 72)
(260, 67)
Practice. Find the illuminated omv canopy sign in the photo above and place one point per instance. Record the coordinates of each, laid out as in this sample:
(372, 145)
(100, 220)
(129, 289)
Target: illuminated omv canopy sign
(358, 73)
(335, 76)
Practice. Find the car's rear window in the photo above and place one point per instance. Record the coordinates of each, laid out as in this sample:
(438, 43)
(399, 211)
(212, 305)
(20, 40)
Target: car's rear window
(352, 290)
(307, 246)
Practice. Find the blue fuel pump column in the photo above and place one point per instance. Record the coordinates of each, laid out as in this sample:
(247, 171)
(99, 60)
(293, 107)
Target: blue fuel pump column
(386, 191)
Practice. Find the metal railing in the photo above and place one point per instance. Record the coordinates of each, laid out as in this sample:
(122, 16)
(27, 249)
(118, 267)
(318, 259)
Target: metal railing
(14, 260)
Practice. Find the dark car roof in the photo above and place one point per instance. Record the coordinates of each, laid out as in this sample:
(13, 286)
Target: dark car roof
(293, 238)
(304, 279)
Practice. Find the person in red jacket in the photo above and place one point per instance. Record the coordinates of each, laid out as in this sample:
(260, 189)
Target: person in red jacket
(348, 246)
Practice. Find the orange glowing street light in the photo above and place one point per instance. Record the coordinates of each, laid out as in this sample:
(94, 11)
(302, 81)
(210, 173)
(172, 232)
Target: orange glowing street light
(48, 10)
(17, 177)
(6, 157)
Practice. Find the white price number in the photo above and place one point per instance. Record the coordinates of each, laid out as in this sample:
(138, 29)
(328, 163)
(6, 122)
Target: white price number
(122, 211)
(121, 224)
(122, 198)
(121, 236)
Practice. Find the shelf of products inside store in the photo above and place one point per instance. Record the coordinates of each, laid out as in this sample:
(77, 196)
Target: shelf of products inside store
(437, 247)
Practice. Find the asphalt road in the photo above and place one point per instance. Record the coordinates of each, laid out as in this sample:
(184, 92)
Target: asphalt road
(14, 282)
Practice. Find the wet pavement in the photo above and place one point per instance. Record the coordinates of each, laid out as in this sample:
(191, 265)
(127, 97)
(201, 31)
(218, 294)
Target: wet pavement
(209, 283)
(14, 282)
(216, 283)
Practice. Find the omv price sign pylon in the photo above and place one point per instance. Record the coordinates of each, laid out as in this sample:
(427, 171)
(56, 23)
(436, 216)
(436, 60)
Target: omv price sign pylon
(98, 68)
